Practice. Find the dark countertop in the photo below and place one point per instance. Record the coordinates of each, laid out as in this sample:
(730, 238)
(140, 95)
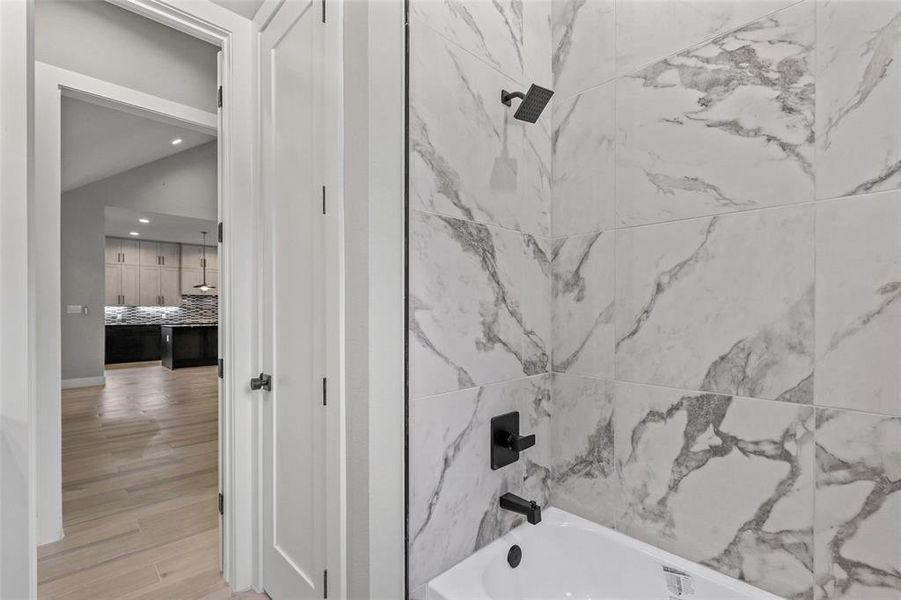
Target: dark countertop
(161, 324)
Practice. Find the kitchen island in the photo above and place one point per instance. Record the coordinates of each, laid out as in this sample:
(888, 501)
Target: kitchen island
(189, 345)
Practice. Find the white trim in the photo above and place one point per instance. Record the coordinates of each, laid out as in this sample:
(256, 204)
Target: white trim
(374, 180)
(335, 360)
(237, 307)
(80, 382)
(18, 556)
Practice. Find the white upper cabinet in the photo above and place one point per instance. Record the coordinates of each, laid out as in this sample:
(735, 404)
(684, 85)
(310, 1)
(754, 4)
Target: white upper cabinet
(170, 255)
(150, 254)
(122, 252)
(148, 273)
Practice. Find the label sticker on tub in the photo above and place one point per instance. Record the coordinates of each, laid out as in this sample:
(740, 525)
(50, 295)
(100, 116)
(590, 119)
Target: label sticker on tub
(678, 583)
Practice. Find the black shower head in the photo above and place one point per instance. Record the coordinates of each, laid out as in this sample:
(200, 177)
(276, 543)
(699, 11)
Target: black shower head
(533, 102)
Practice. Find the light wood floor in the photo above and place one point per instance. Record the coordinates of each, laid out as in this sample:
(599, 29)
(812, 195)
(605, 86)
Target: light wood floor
(140, 485)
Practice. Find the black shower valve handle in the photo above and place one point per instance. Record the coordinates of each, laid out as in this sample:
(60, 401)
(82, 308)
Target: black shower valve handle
(518, 443)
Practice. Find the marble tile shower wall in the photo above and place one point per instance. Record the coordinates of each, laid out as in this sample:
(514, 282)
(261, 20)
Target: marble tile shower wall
(479, 269)
(726, 285)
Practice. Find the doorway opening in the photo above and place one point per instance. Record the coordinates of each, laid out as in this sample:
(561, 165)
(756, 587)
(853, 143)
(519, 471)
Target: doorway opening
(129, 476)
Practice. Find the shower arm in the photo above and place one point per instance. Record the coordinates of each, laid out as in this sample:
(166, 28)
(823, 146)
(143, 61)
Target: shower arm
(506, 96)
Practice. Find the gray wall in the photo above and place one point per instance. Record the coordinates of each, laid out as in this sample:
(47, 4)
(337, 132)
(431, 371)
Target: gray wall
(182, 184)
(104, 41)
(82, 281)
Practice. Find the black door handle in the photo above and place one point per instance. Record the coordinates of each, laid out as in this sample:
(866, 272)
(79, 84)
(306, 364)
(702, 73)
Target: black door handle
(263, 382)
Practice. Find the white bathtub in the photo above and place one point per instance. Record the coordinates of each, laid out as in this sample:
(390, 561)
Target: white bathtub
(567, 557)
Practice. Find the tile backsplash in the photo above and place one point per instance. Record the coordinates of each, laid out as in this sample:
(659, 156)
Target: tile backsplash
(193, 309)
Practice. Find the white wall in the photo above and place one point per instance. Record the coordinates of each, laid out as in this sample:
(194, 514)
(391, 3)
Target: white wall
(183, 184)
(374, 258)
(95, 38)
(17, 553)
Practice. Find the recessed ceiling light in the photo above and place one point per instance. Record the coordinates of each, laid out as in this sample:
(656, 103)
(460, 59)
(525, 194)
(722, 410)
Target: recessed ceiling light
(133, 233)
(145, 221)
(177, 141)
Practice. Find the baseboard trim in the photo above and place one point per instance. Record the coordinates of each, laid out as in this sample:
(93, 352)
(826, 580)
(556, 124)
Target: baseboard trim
(83, 382)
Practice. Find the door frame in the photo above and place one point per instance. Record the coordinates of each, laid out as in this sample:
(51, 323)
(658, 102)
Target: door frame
(238, 305)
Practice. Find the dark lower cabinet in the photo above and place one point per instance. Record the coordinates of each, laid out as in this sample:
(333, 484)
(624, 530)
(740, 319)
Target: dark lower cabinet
(132, 343)
(189, 345)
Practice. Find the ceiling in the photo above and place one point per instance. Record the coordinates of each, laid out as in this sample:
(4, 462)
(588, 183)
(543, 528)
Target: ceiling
(119, 222)
(99, 142)
(245, 8)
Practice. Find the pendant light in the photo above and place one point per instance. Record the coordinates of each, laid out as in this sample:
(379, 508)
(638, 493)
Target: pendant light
(203, 286)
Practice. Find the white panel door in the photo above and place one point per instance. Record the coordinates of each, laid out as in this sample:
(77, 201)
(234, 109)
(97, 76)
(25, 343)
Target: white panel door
(170, 286)
(130, 284)
(113, 284)
(169, 255)
(294, 422)
(150, 286)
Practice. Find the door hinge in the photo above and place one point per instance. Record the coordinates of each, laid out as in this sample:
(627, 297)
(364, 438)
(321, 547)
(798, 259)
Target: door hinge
(323, 11)
(221, 367)
(325, 584)
(221, 504)
(323, 199)
(219, 97)
(324, 391)
(219, 231)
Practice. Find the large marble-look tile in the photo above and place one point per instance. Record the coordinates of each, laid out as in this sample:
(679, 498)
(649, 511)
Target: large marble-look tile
(858, 94)
(453, 503)
(647, 30)
(583, 44)
(583, 190)
(468, 325)
(858, 506)
(535, 417)
(724, 481)
(583, 316)
(533, 289)
(722, 127)
(858, 303)
(468, 154)
(510, 35)
(583, 474)
(722, 304)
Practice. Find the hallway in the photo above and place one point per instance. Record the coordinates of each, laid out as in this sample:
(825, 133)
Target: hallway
(139, 489)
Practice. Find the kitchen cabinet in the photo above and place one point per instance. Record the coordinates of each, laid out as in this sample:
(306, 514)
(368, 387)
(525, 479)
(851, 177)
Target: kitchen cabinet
(192, 277)
(122, 285)
(192, 256)
(132, 343)
(150, 286)
(189, 345)
(123, 252)
(159, 254)
(160, 286)
(170, 286)
(150, 273)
